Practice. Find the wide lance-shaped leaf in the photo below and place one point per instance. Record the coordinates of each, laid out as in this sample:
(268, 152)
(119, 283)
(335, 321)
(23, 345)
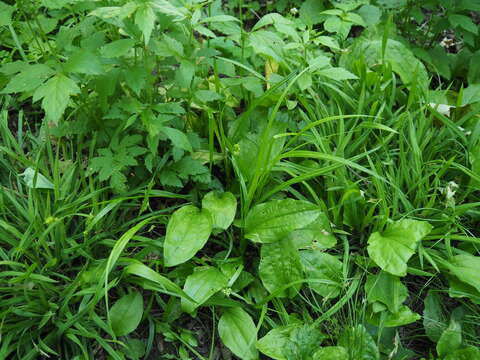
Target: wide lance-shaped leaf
(434, 320)
(466, 269)
(56, 94)
(187, 232)
(387, 289)
(450, 340)
(359, 343)
(201, 285)
(323, 272)
(280, 266)
(126, 313)
(238, 333)
(392, 249)
(331, 353)
(222, 206)
(273, 343)
(273, 220)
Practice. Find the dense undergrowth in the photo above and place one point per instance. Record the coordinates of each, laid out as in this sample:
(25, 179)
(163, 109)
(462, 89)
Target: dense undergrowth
(186, 179)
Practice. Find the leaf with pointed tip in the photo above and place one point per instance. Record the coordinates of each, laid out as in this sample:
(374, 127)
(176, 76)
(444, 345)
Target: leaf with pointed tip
(238, 332)
(222, 207)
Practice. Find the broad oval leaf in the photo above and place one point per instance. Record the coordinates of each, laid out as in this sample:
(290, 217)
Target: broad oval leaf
(274, 341)
(434, 320)
(187, 232)
(317, 235)
(238, 332)
(222, 207)
(126, 313)
(201, 285)
(323, 272)
(271, 221)
(392, 249)
(331, 353)
(280, 266)
(403, 316)
(466, 268)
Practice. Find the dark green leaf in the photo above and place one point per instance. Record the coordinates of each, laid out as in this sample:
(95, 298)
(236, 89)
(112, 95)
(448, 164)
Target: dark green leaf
(323, 272)
(450, 340)
(331, 353)
(359, 344)
(238, 332)
(126, 314)
(84, 62)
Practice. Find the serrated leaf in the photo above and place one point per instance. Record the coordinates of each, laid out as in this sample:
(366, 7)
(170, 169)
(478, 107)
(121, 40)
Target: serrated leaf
(222, 206)
(323, 272)
(387, 289)
(30, 78)
(187, 232)
(280, 266)
(238, 332)
(56, 94)
(178, 138)
(84, 62)
(273, 220)
(392, 249)
(126, 314)
(145, 20)
(117, 48)
(201, 285)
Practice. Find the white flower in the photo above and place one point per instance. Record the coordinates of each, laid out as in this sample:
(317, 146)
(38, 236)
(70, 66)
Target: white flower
(294, 11)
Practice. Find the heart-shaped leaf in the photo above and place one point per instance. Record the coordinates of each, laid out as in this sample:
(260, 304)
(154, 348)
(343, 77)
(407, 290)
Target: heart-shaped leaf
(392, 249)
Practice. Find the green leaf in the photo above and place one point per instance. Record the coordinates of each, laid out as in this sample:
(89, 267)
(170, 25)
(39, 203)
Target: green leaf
(337, 73)
(201, 285)
(187, 232)
(450, 340)
(136, 77)
(205, 96)
(464, 22)
(304, 81)
(117, 48)
(222, 206)
(145, 20)
(84, 62)
(466, 269)
(36, 182)
(280, 266)
(30, 78)
(387, 289)
(331, 353)
(470, 353)
(323, 272)
(273, 220)
(392, 249)
(403, 316)
(328, 41)
(316, 235)
(434, 320)
(178, 138)
(273, 343)
(238, 332)
(6, 12)
(126, 313)
(359, 343)
(371, 14)
(471, 94)
(56, 94)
